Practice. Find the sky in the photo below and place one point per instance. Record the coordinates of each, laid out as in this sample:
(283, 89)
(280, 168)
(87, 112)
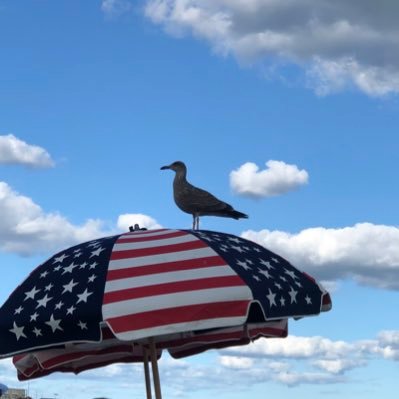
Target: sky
(289, 111)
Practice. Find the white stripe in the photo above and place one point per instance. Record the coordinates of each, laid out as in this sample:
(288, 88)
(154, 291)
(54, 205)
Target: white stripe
(161, 258)
(153, 243)
(178, 299)
(180, 327)
(169, 277)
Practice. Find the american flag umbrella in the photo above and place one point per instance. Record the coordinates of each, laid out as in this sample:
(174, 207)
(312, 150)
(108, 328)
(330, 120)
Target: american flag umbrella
(125, 298)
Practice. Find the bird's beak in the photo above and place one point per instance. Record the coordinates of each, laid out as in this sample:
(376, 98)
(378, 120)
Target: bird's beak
(165, 167)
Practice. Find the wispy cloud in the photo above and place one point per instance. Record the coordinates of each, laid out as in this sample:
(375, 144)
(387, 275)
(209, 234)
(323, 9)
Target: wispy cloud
(16, 151)
(367, 252)
(278, 178)
(338, 45)
(114, 8)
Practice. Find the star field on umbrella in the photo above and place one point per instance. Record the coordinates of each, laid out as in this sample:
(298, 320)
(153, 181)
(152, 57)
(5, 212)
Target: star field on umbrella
(60, 301)
(282, 290)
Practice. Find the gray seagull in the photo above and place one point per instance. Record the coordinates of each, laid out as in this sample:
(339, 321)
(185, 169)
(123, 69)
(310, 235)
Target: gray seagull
(196, 201)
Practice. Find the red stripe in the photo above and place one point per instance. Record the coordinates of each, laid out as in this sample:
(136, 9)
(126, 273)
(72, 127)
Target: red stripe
(171, 288)
(182, 314)
(139, 238)
(135, 253)
(68, 357)
(165, 267)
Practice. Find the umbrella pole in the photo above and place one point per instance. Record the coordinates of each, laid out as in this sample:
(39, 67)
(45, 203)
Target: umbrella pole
(147, 373)
(155, 371)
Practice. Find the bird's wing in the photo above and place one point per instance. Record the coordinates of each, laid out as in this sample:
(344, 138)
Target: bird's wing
(203, 201)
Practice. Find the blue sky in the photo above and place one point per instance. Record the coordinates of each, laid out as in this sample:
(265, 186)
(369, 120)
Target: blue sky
(287, 112)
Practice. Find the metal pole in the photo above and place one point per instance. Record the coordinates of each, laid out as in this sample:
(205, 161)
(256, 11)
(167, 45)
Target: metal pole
(155, 371)
(147, 373)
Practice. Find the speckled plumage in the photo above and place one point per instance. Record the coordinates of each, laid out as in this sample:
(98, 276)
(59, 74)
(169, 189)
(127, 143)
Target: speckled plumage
(195, 201)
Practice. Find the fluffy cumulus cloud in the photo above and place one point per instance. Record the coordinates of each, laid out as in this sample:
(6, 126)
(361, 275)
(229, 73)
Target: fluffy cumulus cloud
(340, 44)
(278, 178)
(131, 219)
(16, 151)
(26, 228)
(367, 252)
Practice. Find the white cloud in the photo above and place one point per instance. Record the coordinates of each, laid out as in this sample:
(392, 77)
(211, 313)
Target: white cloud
(16, 151)
(26, 228)
(339, 44)
(235, 362)
(278, 178)
(114, 8)
(367, 252)
(302, 355)
(130, 219)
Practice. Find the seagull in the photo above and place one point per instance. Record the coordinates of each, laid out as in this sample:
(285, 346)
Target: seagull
(196, 201)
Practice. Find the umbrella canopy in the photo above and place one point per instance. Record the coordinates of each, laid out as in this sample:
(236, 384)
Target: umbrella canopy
(99, 302)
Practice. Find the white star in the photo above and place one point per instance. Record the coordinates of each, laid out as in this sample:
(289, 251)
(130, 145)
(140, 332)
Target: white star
(267, 264)
(278, 285)
(48, 287)
(256, 249)
(92, 278)
(37, 332)
(93, 244)
(59, 267)
(18, 331)
(235, 239)
(272, 298)
(249, 261)
(77, 254)
(275, 260)
(54, 324)
(31, 294)
(43, 301)
(243, 265)
(59, 305)
(265, 273)
(83, 296)
(293, 295)
(69, 269)
(93, 265)
(83, 265)
(69, 287)
(308, 300)
(298, 284)
(44, 274)
(33, 317)
(282, 301)
(82, 325)
(18, 310)
(60, 258)
(71, 310)
(291, 273)
(97, 252)
(239, 249)
(257, 278)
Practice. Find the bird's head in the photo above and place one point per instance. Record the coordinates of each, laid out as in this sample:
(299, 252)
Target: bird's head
(177, 166)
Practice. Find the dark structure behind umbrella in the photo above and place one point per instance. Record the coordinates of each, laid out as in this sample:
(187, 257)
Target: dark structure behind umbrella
(125, 298)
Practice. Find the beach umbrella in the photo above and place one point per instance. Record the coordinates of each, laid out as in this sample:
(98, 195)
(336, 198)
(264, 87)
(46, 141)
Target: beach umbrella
(126, 298)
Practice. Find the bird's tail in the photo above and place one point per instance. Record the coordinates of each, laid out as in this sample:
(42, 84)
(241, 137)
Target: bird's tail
(237, 215)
